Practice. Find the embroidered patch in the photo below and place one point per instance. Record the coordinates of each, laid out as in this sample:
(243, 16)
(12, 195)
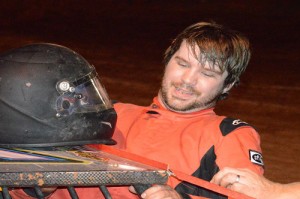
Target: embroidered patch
(238, 122)
(256, 157)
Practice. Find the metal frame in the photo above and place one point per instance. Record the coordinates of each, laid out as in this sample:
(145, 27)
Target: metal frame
(80, 167)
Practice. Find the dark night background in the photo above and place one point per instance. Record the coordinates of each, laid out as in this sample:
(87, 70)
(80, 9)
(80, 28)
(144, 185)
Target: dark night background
(125, 40)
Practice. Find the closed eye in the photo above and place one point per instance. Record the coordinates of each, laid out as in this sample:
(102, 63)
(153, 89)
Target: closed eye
(208, 74)
(182, 64)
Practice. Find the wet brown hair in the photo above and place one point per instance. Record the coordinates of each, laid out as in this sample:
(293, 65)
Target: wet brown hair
(219, 46)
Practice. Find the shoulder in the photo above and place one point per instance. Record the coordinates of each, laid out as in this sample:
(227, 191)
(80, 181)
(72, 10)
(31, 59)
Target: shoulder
(127, 111)
(229, 125)
(119, 106)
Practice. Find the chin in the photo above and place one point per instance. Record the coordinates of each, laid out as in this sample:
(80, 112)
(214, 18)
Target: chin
(178, 107)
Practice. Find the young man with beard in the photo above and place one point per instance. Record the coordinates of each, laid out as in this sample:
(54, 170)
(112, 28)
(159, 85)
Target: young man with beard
(180, 127)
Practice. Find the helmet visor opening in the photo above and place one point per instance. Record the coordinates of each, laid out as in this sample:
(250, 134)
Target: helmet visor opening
(85, 95)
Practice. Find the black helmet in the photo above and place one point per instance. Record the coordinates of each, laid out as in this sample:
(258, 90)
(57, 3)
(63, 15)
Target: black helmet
(51, 96)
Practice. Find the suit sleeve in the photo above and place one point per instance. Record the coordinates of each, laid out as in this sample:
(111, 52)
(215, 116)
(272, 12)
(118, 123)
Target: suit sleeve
(240, 148)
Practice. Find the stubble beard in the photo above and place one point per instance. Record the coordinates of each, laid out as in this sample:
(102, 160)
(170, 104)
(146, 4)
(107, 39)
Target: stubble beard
(193, 106)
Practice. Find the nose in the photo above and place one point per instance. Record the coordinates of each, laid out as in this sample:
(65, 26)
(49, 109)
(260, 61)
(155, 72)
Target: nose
(190, 77)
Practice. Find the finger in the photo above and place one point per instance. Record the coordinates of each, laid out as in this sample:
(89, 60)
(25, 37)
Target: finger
(230, 179)
(238, 187)
(132, 189)
(221, 179)
(160, 192)
(157, 188)
(150, 191)
(218, 177)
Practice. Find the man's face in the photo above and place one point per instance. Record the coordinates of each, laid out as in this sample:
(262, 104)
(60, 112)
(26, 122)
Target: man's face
(188, 85)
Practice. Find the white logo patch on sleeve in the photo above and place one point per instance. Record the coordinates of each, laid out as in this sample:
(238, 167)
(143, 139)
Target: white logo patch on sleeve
(256, 157)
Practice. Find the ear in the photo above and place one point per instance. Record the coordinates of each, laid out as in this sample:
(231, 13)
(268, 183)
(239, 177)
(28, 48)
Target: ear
(228, 87)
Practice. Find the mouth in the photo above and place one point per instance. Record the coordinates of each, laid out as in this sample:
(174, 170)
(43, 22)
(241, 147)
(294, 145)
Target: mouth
(182, 93)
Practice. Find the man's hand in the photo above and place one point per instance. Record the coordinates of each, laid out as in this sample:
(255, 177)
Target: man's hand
(160, 192)
(246, 182)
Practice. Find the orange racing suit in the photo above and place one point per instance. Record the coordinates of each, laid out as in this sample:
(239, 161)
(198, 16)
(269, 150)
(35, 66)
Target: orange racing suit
(199, 144)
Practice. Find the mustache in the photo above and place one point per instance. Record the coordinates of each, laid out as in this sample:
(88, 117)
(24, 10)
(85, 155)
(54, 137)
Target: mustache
(187, 87)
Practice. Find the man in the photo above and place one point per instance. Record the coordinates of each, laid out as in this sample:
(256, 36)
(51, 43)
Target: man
(254, 185)
(180, 127)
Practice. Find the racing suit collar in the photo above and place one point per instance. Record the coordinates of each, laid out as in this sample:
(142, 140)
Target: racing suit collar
(156, 106)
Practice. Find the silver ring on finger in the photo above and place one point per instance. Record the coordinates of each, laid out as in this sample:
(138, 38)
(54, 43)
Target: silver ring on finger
(237, 180)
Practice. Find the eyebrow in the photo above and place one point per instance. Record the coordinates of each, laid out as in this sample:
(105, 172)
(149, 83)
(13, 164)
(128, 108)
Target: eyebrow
(181, 59)
(213, 70)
